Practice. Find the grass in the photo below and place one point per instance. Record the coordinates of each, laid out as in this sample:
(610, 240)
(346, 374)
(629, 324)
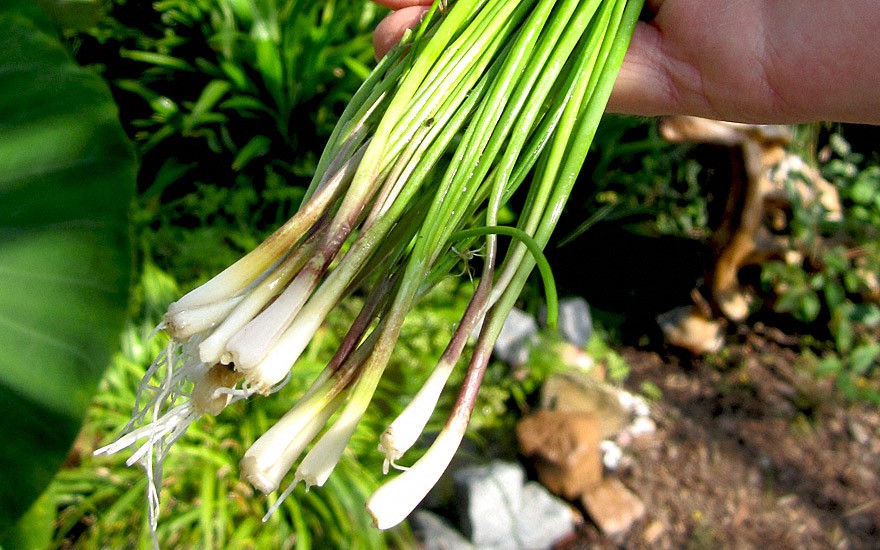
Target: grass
(228, 127)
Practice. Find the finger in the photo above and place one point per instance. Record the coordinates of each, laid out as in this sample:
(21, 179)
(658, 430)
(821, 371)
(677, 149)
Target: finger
(644, 86)
(390, 30)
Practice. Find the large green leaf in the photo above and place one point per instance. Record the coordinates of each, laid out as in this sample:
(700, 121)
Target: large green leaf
(66, 181)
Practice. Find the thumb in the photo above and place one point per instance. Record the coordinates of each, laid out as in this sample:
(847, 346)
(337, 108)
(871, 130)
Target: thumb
(390, 30)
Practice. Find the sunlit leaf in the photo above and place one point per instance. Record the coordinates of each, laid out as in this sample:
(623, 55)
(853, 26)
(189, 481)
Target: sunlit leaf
(66, 181)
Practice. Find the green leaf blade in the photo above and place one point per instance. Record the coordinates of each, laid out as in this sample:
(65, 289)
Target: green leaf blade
(66, 183)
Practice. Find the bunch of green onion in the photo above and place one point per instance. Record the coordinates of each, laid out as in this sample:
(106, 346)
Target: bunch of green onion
(484, 96)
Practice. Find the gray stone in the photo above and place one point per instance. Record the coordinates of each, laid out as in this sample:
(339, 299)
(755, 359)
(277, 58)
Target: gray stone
(575, 321)
(516, 337)
(435, 533)
(500, 512)
(543, 520)
(489, 499)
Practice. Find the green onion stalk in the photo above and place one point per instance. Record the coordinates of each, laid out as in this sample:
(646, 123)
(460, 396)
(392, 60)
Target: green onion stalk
(483, 97)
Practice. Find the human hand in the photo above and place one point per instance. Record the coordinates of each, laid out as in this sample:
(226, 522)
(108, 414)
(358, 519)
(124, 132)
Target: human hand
(764, 61)
(406, 14)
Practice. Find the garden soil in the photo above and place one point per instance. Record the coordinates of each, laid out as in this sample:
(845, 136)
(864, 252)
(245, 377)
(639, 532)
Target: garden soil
(755, 455)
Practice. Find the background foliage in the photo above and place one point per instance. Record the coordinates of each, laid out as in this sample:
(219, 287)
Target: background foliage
(66, 181)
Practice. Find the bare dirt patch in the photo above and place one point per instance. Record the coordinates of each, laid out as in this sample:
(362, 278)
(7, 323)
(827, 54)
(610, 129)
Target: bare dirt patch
(751, 455)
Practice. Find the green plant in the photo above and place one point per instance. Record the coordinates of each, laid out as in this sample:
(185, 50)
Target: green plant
(220, 72)
(837, 283)
(441, 135)
(191, 221)
(229, 103)
(639, 177)
(66, 181)
(616, 366)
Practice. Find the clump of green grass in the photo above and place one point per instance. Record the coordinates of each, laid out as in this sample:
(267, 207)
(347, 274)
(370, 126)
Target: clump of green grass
(834, 289)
